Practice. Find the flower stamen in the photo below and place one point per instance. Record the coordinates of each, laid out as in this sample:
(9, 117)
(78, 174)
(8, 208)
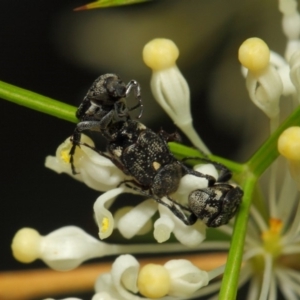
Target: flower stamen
(272, 237)
(104, 225)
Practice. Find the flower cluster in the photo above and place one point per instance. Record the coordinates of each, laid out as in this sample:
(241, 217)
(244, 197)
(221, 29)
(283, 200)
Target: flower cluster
(274, 238)
(273, 233)
(101, 174)
(181, 278)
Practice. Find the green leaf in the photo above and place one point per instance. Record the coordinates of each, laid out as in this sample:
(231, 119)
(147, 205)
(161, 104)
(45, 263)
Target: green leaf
(108, 3)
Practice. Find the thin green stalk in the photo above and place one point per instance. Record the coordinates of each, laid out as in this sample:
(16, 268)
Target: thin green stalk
(182, 151)
(234, 261)
(37, 102)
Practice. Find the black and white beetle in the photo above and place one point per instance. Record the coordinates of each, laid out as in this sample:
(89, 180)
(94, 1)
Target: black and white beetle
(104, 103)
(145, 155)
(214, 205)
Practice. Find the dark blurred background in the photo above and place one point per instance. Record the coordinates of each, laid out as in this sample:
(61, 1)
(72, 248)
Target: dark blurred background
(49, 49)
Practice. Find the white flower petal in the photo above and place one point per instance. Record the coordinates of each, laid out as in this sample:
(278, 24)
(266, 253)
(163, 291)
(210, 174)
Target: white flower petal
(189, 183)
(295, 72)
(190, 236)
(208, 169)
(103, 216)
(288, 87)
(104, 286)
(185, 278)
(132, 222)
(164, 225)
(171, 91)
(67, 247)
(104, 296)
(163, 228)
(265, 90)
(169, 87)
(95, 170)
(96, 158)
(124, 273)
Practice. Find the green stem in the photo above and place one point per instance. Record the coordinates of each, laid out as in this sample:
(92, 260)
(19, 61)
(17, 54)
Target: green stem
(268, 152)
(232, 270)
(252, 170)
(182, 151)
(37, 102)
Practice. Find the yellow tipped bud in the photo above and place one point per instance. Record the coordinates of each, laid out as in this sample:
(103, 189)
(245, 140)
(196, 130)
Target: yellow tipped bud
(289, 143)
(25, 245)
(160, 54)
(154, 281)
(254, 54)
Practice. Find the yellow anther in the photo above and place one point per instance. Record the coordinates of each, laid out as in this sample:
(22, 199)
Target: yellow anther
(104, 225)
(65, 156)
(254, 54)
(289, 143)
(271, 238)
(160, 54)
(153, 281)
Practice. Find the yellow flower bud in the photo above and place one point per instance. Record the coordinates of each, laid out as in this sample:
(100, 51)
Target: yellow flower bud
(289, 143)
(254, 54)
(160, 54)
(289, 147)
(153, 281)
(25, 245)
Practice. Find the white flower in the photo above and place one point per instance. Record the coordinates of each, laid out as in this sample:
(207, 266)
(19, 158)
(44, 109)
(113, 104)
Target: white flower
(268, 246)
(103, 296)
(136, 218)
(68, 247)
(101, 174)
(263, 82)
(168, 223)
(103, 216)
(186, 279)
(95, 170)
(290, 25)
(177, 278)
(269, 74)
(268, 242)
(63, 249)
(132, 222)
(295, 73)
(170, 88)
